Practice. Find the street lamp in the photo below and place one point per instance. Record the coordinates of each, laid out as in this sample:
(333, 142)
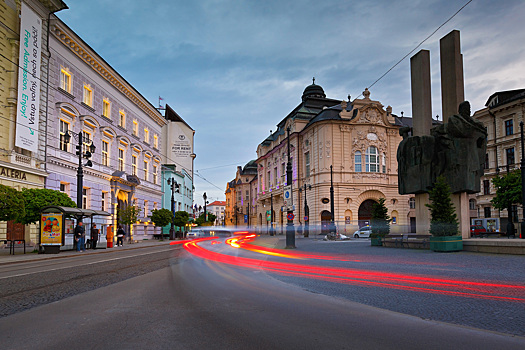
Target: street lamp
(290, 231)
(174, 188)
(205, 202)
(522, 168)
(306, 212)
(510, 225)
(271, 214)
(332, 223)
(81, 154)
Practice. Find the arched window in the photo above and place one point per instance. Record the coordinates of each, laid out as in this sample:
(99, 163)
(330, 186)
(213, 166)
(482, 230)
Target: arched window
(412, 203)
(357, 161)
(372, 160)
(383, 162)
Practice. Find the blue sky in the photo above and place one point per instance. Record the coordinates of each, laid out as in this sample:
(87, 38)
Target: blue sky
(234, 69)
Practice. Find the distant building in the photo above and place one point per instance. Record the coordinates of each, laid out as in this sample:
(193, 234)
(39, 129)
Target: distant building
(217, 208)
(239, 197)
(502, 116)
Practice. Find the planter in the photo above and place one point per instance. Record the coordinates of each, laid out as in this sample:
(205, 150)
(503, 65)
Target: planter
(376, 241)
(446, 244)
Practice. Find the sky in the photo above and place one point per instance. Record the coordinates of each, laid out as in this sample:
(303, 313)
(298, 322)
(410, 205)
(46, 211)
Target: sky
(234, 69)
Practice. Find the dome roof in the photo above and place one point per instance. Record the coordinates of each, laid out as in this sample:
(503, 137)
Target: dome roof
(313, 91)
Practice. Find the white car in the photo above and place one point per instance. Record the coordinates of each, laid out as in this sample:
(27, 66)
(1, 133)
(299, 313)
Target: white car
(364, 231)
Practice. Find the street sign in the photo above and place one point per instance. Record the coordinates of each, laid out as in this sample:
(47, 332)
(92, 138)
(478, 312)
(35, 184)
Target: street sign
(306, 218)
(290, 216)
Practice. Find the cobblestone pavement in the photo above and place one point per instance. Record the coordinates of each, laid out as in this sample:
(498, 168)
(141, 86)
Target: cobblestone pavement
(24, 292)
(500, 316)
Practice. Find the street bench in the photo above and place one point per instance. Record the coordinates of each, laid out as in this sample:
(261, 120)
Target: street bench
(408, 240)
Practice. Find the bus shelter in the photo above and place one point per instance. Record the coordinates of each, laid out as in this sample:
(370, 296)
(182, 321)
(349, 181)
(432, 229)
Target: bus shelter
(57, 226)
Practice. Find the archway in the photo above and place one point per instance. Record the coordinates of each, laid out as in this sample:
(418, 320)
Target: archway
(326, 217)
(364, 215)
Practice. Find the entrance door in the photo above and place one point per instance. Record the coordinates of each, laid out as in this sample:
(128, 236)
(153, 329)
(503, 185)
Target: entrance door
(326, 217)
(365, 213)
(412, 225)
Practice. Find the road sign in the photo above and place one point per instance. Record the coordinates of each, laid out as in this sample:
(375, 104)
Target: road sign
(306, 218)
(290, 216)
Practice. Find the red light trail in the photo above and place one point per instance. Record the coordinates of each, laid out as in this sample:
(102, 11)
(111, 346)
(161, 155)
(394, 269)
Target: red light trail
(443, 286)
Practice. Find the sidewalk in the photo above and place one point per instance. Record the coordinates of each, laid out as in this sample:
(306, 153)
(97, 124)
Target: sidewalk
(29, 256)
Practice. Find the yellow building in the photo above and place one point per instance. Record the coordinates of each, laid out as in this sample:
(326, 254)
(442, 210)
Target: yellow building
(22, 157)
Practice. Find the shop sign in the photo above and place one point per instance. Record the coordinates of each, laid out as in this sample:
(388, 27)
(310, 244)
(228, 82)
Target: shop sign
(12, 173)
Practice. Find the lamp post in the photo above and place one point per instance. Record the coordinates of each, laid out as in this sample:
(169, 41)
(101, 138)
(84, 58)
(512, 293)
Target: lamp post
(332, 223)
(174, 187)
(290, 231)
(522, 168)
(510, 225)
(271, 214)
(205, 202)
(81, 154)
(306, 230)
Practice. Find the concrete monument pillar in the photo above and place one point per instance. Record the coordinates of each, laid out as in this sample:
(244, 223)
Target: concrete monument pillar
(421, 123)
(452, 94)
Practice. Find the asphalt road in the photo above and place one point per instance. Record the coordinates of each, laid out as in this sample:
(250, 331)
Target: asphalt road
(191, 303)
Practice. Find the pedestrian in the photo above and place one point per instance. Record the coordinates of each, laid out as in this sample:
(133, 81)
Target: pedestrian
(80, 236)
(120, 235)
(94, 236)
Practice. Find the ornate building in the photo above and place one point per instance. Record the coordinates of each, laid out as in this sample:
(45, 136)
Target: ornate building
(504, 112)
(240, 198)
(348, 146)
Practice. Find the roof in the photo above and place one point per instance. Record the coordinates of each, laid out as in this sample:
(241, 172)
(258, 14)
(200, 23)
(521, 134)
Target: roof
(501, 97)
(172, 116)
(217, 203)
(73, 211)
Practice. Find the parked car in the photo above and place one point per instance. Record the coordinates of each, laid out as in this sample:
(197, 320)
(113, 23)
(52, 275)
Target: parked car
(364, 231)
(477, 230)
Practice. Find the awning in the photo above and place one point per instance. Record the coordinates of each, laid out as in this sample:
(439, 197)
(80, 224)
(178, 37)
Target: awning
(74, 211)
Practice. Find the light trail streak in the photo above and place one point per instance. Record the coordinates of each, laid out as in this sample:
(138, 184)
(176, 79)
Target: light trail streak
(470, 289)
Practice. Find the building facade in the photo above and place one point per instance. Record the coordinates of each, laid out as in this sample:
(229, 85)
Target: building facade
(24, 69)
(240, 199)
(347, 146)
(217, 208)
(88, 99)
(502, 115)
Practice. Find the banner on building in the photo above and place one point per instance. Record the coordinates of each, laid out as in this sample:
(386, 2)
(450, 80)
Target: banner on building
(51, 229)
(28, 103)
(182, 147)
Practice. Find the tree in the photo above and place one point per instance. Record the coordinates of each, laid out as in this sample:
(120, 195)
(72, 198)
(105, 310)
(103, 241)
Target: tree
(12, 204)
(443, 218)
(128, 215)
(380, 219)
(181, 218)
(508, 190)
(201, 220)
(38, 198)
(161, 217)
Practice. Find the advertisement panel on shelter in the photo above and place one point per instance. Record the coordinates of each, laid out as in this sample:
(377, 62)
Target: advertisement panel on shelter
(51, 229)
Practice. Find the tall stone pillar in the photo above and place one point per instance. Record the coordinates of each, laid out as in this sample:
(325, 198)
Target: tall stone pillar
(421, 123)
(452, 94)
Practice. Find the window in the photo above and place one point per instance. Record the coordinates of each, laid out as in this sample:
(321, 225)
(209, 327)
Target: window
(307, 163)
(65, 80)
(86, 139)
(154, 174)
(105, 153)
(85, 198)
(146, 169)
(121, 159)
(64, 188)
(64, 127)
(156, 141)
(509, 127)
(146, 135)
(357, 161)
(103, 200)
(486, 186)
(283, 173)
(509, 152)
(383, 162)
(135, 128)
(269, 174)
(412, 203)
(472, 204)
(155, 205)
(122, 119)
(486, 212)
(88, 95)
(145, 208)
(372, 160)
(275, 176)
(486, 165)
(106, 108)
(133, 165)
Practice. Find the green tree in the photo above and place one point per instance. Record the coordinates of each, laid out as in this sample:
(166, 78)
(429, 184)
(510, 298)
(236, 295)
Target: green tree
(201, 220)
(380, 219)
(38, 198)
(508, 190)
(161, 217)
(12, 204)
(443, 218)
(128, 215)
(181, 218)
